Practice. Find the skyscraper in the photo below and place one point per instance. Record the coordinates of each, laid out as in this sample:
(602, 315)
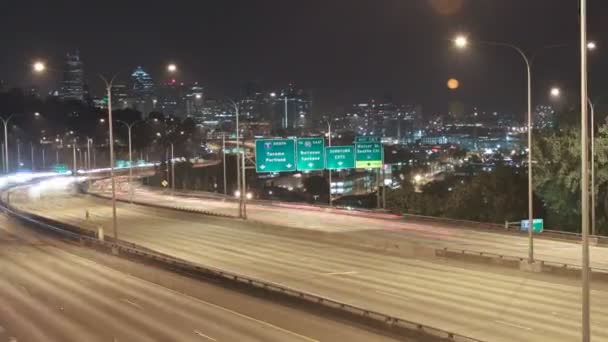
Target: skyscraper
(72, 86)
(292, 108)
(142, 90)
(142, 84)
(194, 99)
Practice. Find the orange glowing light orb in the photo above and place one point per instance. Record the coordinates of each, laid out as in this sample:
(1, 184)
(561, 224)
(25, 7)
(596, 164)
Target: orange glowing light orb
(453, 83)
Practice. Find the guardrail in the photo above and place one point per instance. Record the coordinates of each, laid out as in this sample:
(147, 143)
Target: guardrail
(116, 246)
(547, 233)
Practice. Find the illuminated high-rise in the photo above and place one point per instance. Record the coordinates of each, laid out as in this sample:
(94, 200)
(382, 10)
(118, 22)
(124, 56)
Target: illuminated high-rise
(72, 85)
(142, 90)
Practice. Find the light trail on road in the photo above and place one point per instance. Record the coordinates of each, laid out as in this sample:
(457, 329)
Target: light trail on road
(488, 303)
(56, 292)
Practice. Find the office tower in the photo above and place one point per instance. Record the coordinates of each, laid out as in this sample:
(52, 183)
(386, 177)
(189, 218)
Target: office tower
(72, 85)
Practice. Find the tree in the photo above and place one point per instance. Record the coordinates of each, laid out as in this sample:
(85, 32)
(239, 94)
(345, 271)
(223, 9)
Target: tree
(557, 176)
(488, 197)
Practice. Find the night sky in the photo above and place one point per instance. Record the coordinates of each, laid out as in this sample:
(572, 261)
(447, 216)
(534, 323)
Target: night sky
(343, 50)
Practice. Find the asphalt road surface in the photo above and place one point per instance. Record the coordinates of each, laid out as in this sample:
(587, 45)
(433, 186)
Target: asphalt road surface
(381, 226)
(55, 291)
(485, 302)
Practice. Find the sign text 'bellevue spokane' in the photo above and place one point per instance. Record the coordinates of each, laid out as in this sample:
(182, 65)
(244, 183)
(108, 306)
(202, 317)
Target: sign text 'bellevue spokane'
(310, 154)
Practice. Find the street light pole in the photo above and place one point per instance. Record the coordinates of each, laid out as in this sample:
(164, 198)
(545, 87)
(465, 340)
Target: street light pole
(238, 159)
(244, 182)
(32, 155)
(530, 185)
(286, 111)
(462, 42)
(592, 124)
(74, 157)
(329, 170)
(111, 137)
(5, 122)
(585, 326)
(88, 153)
(172, 171)
(383, 181)
(129, 127)
(224, 160)
(18, 154)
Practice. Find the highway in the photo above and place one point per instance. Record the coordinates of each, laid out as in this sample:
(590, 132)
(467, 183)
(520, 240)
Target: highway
(55, 291)
(380, 227)
(484, 302)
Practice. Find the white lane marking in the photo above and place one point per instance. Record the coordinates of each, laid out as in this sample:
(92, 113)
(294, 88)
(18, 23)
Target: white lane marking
(131, 302)
(340, 273)
(203, 335)
(218, 307)
(513, 325)
(393, 295)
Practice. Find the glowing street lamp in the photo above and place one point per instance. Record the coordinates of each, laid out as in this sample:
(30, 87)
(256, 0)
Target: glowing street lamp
(591, 45)
(555, 92)
(461, 41)
(39, 66)
(172, 68)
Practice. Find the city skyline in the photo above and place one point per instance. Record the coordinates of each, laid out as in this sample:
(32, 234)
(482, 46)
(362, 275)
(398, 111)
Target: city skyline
(405, 55)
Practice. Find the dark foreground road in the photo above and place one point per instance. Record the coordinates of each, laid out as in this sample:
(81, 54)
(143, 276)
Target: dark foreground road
(55, 291)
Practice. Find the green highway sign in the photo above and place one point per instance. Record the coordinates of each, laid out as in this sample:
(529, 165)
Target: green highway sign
(340, 157)
(60, 168)
(310, 154)
(537, 225)
(275, 155)
(368, 155)
(367, 139)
